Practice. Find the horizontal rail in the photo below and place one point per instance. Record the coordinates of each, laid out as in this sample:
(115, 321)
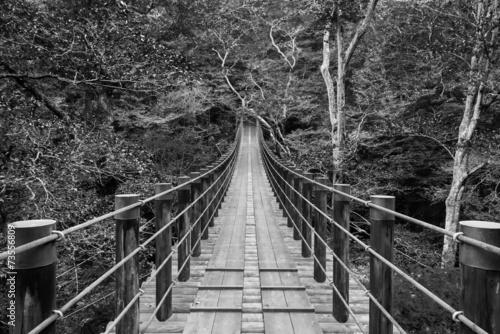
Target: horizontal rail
(219, 184)
(47, 239)
(268, 155)
(456, 237)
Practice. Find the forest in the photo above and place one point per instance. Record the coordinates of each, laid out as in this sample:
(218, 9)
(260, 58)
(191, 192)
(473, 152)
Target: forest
(394, 97)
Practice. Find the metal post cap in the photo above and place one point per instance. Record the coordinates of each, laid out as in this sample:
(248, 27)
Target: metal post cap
(345, 188)
(162, 187)
(124, 200)
(30, 230)
(308, 177)
(472, 256)
(322, 180)
(194, 175)
(183, 182)
(388, 202)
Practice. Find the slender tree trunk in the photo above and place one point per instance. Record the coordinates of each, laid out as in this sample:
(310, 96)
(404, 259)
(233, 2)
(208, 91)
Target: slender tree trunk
(330, 88)
(453, 205)
(487, 17)
(341, 113)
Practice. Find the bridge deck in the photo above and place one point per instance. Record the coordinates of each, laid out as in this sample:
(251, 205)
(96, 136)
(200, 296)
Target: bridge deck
(251, 277)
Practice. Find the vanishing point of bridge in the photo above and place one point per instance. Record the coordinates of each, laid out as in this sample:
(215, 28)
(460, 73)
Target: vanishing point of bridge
(247, 252)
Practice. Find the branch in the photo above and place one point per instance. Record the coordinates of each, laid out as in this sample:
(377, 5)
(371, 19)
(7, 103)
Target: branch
(278, 48)
(434, 139)
(235, 91)
(360, 31)
(256, 84)
(135, 9)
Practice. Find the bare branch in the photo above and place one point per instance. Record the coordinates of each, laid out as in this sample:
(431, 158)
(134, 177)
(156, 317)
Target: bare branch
(360, 31)
(434, 139)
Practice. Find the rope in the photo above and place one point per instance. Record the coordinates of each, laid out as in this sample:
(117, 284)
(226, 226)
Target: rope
(151, 318)
(75, 228)
(316, 259)
(424, 290)
(124, 311)
(465, 239)
(87, 290)
(163, 298)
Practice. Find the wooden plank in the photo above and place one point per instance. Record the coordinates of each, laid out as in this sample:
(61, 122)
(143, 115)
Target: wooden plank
(199, 322)
(221, 287)
(277, 323)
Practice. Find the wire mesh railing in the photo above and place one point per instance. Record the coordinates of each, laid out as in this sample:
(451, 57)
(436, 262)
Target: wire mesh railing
(32, 256)
(307, 216)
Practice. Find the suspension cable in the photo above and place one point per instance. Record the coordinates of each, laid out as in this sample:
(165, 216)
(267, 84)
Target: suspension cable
(463, 238)
(367, 248)
(52, 237)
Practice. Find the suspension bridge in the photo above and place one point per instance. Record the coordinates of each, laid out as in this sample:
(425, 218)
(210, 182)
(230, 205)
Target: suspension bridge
(251, 255)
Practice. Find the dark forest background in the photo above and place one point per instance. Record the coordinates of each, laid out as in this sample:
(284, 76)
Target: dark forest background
(102, 97)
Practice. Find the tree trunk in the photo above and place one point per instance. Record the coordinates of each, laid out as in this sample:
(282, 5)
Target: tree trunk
(330, 89)
(338, 157)
(453, 205)
(487, 19)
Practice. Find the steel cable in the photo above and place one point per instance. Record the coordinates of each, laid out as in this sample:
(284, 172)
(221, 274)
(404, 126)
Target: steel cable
(424, 290)
(47, 239)
(463, 238)
(160, 303)
(322, 268)
(87, 290)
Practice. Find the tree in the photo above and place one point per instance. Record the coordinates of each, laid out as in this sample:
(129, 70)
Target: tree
(482, 90)
(336, 16)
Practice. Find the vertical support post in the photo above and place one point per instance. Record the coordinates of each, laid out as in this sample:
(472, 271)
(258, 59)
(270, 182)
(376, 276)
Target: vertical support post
(289, 195)
(216, 189)
(163, 208)
(284, 194)
(184, 248)
(306, 212)
(320, 202)
(127, 276)
(341, 215)
(211, 194)
(382, 242)
(297, 186)
(480, 277)
(33, 277)
(195, 234)
(205, 182)
(279, 177)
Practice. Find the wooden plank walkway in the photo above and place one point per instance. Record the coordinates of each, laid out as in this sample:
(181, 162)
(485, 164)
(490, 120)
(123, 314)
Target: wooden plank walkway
(251, 277)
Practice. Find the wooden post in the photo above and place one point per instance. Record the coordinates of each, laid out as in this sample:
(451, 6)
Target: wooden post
(480, 277)
(32, 279)
(306, 212)
(217, 172)
(320, 202)
(205, 182)
(382, 242)
(163, 206)
(341, 215)
(277, 177)
(297, 186)
(184, 248)
(288, 195)
(195, 234)
(279, 188)
(127, 276)
(211, 195)
(284, 206)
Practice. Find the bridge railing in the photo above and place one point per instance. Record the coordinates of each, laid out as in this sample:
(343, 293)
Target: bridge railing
(308, 216)
(31, 254)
